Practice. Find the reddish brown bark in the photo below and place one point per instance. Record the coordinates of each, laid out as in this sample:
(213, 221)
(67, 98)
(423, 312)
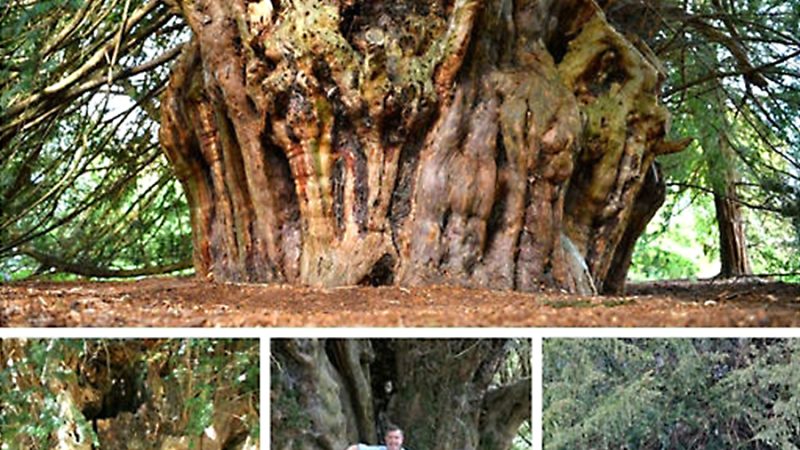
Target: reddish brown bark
(474, 143)
(732, 240)
(730, 222)
(649, 199)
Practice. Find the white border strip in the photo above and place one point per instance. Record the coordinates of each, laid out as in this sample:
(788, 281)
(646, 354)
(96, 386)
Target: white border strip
(264, 390)
(537, 401)
(355, 333)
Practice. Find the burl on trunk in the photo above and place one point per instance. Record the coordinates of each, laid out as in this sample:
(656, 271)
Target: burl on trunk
(497, 144)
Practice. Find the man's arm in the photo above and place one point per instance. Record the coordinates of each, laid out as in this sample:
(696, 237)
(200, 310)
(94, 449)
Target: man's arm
(353, 447)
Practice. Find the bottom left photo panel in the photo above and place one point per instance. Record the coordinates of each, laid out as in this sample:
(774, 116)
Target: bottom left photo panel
(159, 394)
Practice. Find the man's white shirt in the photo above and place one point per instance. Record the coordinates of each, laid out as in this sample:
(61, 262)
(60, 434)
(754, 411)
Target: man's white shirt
(374, 447)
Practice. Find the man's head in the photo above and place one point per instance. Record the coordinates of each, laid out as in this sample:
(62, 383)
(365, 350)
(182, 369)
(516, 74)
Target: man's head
(393, 437)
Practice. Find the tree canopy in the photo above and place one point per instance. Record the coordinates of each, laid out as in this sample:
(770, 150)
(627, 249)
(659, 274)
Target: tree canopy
(732, 87)
(85, 189)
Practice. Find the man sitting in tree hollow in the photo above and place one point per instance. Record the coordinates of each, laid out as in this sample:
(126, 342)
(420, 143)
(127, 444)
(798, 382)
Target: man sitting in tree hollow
(393, 440)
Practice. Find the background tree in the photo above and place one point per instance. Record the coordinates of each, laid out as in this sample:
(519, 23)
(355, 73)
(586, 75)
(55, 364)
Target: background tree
(733, 86)
(671, 393)
(445, 393)
(158, 394)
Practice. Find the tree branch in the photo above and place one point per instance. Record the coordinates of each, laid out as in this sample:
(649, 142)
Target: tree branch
(504, 410)
(721, 75)
(92, 63)
(88, 270)
(708, 190)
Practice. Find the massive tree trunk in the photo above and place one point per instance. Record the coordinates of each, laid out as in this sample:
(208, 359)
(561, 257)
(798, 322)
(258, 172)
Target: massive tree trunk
(491, 144)
(328, 394)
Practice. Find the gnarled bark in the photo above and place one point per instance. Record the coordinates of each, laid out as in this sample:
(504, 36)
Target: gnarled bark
(443, 393)
(650, 198)
(125, 393)
(496, 144)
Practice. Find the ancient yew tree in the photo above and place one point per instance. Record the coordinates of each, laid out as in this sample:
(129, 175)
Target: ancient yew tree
(494, 144)
(446, 394)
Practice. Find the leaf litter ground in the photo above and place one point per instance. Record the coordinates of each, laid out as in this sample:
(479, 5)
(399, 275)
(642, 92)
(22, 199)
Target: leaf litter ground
(188, 302)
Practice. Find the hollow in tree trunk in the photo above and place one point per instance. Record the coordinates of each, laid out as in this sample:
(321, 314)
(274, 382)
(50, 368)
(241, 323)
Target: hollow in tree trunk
(486, 144)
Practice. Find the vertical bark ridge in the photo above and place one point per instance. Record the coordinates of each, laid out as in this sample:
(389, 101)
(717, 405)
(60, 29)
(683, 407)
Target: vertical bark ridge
(223, 227)
(422, 250)
(314, 403)
(352, 359)
(181, 148)
(225, 85)
(243, 214)
(463, 177)
(549, 139)
(218, 27)
(648, 200)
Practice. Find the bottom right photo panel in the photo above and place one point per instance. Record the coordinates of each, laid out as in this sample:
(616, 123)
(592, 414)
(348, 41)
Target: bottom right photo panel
(676, 393)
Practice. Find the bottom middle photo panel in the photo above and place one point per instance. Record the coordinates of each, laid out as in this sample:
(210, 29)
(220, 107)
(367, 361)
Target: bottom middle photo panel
(364, 394)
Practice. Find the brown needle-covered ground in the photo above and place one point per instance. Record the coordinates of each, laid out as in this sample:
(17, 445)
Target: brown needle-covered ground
(170, 302)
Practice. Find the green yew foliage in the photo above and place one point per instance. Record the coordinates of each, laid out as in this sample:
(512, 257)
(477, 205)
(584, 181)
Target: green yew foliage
(671, 393)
